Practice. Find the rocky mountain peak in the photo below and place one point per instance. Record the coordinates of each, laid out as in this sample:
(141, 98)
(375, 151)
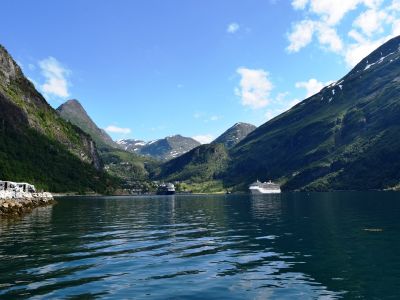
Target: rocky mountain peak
(235, 134)
(164, 149)
(73, 105)
(36, 143)
(8, 67)
(73, 111)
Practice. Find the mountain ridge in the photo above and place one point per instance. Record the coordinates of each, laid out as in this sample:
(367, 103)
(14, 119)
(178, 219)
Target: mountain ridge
(164, 149)
(345, 137)
(73, 111)
(129, 168)
(234, 134)
(200, 164)
(37, 145)
(322, 142)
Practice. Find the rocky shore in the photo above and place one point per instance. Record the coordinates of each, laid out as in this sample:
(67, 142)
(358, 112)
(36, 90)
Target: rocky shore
(12, 203)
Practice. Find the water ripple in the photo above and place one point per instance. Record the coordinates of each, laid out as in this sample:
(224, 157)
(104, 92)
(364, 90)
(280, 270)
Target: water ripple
(158, 248)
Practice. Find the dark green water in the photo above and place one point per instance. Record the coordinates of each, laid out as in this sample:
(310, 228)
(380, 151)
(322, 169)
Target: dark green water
(289, 246)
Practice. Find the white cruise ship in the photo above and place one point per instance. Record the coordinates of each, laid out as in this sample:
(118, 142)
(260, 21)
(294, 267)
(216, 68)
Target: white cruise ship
(259, 188)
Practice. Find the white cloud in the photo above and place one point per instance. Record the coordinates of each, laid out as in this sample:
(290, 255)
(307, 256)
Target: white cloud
(303, 32)
(56, 77)
(358, 50)
(301, 35)
(281, 96)
(330, 11)
(119, 130)
(232, 27)
(204, 139)
(312, 86)
(396, 27)
(371, 23)
(254, 88)
(215, 118)
(255, 91)
(205, 117)
(328, 36)
(299, 4)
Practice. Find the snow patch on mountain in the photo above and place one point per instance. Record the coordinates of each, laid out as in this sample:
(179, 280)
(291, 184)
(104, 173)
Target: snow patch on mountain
(164, 149)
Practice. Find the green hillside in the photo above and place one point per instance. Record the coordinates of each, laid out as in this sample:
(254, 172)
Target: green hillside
(38, 146)
(234, 135)
(203, 163)
(72, 111)
(345, 137)
(129, 167)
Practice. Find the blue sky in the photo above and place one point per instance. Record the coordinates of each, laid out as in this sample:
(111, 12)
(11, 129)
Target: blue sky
(146, 69)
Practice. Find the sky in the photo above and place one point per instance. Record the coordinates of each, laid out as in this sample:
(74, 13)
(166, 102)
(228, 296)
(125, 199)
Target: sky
(147, 69)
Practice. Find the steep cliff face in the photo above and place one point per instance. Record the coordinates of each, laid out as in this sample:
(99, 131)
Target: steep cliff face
(128, 166)
(33, 110)
(37, 145)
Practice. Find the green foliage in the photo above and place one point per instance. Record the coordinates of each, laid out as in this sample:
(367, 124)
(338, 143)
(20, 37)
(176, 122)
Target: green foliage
(38, 146)
(128, 166)
(73, 112)
(209, 187)
(31, 157)
(346, 139)
(133, 170)
(201, 164)
(42, 117)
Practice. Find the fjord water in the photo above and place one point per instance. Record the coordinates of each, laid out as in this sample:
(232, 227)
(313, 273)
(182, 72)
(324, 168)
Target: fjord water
(289, 246)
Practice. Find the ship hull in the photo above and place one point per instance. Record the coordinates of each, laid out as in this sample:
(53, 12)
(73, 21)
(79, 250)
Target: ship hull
(264, 191)
(166, 193)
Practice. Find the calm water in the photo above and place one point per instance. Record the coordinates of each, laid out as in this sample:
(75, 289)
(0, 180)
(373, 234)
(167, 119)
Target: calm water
(289, 246)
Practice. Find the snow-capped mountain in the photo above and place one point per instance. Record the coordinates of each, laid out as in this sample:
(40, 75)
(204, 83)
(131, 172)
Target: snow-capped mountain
(164, 149)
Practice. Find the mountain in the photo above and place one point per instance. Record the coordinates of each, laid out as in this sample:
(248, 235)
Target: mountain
(128, 167)
(235, 134)
(347, 136)
(200, 164)
(164, 149)
(73, 112)
(37, 145)
(131, 145)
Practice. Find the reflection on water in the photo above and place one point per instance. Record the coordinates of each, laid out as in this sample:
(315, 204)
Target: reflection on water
(266, 206)
(296, 246)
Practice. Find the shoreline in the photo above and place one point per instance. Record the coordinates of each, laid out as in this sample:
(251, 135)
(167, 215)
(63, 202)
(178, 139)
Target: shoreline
(24, 204)
(218, 193)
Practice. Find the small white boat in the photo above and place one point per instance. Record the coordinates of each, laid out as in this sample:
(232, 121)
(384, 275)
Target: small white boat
(260, 188)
